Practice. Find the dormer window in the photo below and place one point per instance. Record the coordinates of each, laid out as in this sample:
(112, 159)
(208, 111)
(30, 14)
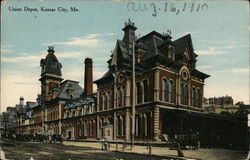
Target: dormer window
(170, 53)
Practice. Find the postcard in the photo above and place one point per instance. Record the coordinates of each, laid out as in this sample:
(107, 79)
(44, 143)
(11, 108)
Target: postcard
(124, 79)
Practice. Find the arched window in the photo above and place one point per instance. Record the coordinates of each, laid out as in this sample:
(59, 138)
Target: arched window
(110, 99)
(138, 92)
(118, 95)
(199, 98)
(85, 129)
(194, 97)
(186, 95)
(103, 101)
(145, 91)
(164, 90)
(90, 128)
(138, 125)
(171, 91)
(182, 93)
(124, 96)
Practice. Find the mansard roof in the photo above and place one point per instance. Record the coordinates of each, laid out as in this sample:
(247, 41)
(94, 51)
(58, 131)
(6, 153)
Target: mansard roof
(153, 45)
(82, 102)
(74, 86)
(51, 65)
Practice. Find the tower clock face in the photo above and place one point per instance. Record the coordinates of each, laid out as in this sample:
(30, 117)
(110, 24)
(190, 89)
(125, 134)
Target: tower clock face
(52, 85)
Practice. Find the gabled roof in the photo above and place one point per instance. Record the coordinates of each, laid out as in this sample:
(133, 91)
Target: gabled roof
(182, 43)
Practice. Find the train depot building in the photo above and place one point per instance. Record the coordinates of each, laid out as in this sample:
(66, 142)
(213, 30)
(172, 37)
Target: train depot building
(168, 97)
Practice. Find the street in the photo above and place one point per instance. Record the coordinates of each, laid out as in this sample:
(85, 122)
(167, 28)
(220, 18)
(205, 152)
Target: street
(41, 151)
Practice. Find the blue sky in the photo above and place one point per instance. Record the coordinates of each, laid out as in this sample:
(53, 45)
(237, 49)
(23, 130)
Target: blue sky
(220, 35)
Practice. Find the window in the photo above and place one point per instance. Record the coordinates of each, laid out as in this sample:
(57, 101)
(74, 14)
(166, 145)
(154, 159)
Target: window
(103, 101)
(182, 93)
(137, 125)
(199, 98)
(93, 127)
(118, 126)
(186, 94)
(145, 91)
(194, 97)
(171, 52)
(171, 91)
(124, 96)
(138, 92)
(90, 128)
(164, 90)
(118, 95)
(110, 99)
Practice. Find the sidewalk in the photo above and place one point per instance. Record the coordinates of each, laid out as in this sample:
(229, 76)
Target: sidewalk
(205, 154)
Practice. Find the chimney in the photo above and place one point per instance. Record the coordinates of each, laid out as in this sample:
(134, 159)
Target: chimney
(88, 77)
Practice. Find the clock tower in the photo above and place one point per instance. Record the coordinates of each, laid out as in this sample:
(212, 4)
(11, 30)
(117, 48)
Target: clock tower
(50, 74)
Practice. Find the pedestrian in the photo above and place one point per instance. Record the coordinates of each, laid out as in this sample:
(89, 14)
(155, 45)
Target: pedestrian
(180, 153)
(106, 144)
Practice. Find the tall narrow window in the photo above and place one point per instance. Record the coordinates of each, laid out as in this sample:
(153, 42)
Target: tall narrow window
(186, 95)
(146, 125)
(118, 97)
(145, 91)
(138, 92)
(90, 128)
(108, 100)
(182, 93)
(123, 96)
(93, 127)
(103, 101)
(171, 91)
(164, 90)
(137, 125)
(199, 99)
(118, 127)
(194, 97)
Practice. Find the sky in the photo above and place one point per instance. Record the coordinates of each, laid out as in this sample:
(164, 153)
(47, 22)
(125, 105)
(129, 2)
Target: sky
(219, 31)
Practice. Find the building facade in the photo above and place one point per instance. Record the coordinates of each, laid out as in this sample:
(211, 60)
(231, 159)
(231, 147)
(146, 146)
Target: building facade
(167, 83)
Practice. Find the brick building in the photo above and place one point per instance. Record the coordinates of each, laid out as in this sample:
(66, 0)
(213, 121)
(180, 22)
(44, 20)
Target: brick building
(169, 93)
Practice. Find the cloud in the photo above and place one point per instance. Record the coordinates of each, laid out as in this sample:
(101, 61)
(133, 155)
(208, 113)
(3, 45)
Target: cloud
(235, 70)
(210, 51)
(240, 70)
(90, 40)
(6, 49)
(205, 67)
(70, 54)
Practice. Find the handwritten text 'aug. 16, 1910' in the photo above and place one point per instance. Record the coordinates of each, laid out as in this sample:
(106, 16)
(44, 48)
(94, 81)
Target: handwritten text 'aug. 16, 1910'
(167, 7)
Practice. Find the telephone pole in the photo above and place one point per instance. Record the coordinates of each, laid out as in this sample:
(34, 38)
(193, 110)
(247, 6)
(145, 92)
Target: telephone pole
(133, 97)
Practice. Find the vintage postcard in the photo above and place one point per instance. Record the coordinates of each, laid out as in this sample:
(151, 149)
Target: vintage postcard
(124, 80)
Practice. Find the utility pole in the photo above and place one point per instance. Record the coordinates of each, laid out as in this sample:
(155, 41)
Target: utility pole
(133, 97)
